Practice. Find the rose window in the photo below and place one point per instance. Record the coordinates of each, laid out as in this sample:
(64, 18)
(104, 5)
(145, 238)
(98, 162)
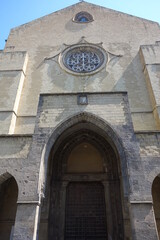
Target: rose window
(83, 59)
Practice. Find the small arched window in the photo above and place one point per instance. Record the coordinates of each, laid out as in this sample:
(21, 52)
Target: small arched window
(83, 17)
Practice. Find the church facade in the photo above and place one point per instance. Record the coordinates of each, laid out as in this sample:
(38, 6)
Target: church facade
(80, 127)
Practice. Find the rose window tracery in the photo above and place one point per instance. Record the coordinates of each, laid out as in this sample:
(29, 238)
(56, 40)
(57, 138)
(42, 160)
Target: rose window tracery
(83, 59)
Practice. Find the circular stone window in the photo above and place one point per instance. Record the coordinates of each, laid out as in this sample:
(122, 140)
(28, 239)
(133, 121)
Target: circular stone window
(83, 59)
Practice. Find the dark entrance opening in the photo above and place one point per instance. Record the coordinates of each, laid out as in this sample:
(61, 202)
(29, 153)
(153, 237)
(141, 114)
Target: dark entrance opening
(156, 202)
(85, 216)
(8, 207)
(85, 188)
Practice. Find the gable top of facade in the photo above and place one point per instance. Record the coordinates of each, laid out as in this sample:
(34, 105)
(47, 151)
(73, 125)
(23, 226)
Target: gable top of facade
(84, 6)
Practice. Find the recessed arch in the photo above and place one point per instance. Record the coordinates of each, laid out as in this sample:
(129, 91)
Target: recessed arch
(86, 179)
(84, 157)
(4, 176)
(8, 205)
(156, 201)
(94, 122)
(82, 128)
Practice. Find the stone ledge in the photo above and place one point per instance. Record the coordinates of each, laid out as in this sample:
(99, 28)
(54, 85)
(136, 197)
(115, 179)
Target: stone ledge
(15, 135)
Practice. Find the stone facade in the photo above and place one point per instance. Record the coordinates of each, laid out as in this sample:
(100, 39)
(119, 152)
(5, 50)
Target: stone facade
(41, 111)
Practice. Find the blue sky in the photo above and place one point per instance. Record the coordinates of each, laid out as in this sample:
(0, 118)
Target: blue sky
(18, 12)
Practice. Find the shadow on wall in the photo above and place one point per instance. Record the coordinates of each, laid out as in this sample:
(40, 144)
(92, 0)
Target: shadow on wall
(133, 79)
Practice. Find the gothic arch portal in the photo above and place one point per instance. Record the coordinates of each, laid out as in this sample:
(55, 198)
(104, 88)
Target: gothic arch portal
(88, 131)
(8, 205)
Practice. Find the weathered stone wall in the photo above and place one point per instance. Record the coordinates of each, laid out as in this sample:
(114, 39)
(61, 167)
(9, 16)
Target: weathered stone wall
(150, 156)
(44, 38)
(54, 117)
(12, 75)
(123, 102)
(150, 57)
(24, 157)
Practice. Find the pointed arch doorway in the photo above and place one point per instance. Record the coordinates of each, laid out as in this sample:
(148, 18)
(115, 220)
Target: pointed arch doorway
(85, 192)
(8, 205)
